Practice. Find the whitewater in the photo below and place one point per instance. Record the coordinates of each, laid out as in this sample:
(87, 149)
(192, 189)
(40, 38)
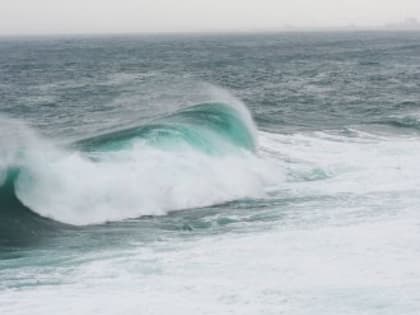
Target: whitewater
(240, 174)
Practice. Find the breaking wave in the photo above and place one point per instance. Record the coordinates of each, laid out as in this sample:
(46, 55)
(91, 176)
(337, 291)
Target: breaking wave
(198, 156)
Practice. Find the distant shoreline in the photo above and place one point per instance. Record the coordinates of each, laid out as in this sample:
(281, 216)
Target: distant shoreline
(210, 33)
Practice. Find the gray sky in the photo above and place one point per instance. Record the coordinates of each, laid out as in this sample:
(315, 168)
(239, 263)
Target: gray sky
(115, 16)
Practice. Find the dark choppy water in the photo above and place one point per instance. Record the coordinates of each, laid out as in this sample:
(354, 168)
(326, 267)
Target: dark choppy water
(311, 210)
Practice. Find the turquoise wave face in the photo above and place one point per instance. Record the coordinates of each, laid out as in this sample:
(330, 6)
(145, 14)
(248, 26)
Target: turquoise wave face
(214, 128)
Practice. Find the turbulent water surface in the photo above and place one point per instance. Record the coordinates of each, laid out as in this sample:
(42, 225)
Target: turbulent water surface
(234, 174)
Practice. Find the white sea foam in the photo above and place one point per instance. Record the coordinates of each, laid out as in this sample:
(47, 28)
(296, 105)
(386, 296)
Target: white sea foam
(324, 163)
(141, 181)
(366, 268)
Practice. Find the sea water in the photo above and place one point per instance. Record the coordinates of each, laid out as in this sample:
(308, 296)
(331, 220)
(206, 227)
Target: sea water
(210, 174)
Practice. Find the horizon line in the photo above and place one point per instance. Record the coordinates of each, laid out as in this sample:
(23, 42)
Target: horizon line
(285, 29)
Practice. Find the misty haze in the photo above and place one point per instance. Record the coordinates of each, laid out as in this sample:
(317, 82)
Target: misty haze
(147, 16)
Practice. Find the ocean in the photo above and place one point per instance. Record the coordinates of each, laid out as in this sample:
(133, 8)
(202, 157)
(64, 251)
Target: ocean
(210, 174)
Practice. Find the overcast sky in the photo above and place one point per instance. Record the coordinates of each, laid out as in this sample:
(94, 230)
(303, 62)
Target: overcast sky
(136, 16)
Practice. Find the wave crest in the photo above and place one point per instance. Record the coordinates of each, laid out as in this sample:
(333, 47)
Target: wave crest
(212, 127)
